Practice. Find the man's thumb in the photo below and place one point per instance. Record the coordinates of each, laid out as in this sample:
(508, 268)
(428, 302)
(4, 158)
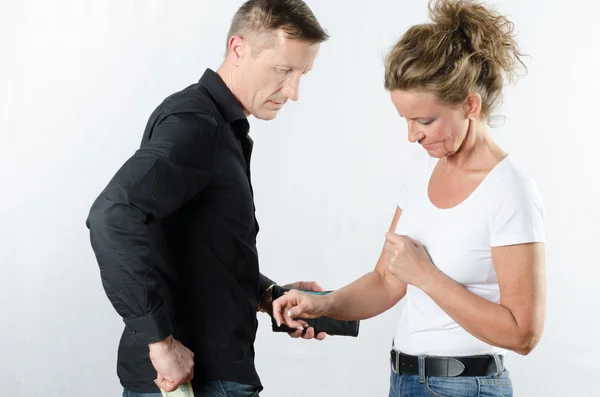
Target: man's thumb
(160, 381)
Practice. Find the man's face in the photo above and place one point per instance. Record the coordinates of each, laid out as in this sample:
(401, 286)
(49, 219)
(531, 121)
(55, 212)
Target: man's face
(271, 77)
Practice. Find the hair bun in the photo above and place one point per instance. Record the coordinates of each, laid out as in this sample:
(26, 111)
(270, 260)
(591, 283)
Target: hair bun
(467, 48)
(487, 34)
(446, 14)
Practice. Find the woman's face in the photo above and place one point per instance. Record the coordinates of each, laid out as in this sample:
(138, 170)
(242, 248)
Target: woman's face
(440, 129)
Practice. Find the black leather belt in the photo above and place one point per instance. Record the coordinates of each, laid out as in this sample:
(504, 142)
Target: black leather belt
(447, 366)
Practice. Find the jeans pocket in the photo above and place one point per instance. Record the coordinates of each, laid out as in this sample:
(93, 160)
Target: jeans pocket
(463, 386)
(213, 388)
(495, 387)
(234, 389)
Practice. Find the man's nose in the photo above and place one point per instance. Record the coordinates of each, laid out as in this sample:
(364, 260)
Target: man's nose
(292, 87)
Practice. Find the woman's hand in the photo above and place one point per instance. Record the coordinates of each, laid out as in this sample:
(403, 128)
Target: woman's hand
(407, 260)
(297, 304)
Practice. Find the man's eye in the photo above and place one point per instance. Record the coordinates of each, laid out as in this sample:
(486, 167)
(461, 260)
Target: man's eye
(283, 70)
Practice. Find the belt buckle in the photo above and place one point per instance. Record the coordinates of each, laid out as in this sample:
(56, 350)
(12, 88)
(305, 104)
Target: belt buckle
(395, 361)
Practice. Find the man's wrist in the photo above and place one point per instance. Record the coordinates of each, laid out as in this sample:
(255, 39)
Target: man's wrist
(162, 345)
(265, 303)
(264, 282)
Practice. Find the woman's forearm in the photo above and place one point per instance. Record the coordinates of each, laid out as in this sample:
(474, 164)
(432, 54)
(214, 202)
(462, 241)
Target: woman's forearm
(488, 321)
(367, 297)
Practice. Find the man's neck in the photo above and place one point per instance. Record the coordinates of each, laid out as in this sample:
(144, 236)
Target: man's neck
(226, 73)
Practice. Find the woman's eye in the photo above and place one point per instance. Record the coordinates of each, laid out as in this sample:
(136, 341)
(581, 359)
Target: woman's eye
(425, 122)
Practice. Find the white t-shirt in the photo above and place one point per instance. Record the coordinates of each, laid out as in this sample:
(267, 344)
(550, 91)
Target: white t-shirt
(505, 209)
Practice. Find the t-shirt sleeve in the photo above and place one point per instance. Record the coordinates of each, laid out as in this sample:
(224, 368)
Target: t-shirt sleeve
(519, 216)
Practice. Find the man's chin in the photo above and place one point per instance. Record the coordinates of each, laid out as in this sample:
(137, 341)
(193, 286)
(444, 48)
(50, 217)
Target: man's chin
(266, 115)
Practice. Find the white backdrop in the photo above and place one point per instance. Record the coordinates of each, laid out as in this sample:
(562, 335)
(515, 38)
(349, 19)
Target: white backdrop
(78, 80)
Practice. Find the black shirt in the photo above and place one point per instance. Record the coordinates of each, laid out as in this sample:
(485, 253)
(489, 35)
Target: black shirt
(174, 234)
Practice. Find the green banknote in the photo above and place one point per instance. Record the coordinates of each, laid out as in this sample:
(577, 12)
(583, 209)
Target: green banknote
(185, 390)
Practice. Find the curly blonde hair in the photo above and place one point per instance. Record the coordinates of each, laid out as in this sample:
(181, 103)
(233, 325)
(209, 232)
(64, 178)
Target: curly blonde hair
(467, 48)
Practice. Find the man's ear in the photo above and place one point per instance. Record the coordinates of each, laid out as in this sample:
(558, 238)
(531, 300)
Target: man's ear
(236, 49)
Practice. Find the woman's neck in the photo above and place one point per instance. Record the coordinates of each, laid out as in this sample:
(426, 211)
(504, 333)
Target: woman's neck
(477, 151)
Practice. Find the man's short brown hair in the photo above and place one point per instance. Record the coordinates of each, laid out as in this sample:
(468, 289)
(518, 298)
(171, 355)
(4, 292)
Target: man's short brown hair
(293, 17)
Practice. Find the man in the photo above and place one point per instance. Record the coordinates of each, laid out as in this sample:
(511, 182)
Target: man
(174, 232)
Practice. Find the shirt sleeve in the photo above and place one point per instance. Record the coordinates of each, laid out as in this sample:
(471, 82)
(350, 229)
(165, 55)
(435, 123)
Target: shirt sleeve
(172, 167)
(264, 283)
(519, 216)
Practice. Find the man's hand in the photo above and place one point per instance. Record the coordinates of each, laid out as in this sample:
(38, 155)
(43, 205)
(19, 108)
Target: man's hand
(173, 362)
(309, 333)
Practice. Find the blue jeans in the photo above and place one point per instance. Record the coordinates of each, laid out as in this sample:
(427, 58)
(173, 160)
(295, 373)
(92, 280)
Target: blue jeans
(408, 385)
(214, 388)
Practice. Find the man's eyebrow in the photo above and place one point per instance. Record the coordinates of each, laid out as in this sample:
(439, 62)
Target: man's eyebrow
(283, 65)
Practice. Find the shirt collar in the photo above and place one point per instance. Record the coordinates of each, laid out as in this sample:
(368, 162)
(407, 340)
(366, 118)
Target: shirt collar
(228, 105)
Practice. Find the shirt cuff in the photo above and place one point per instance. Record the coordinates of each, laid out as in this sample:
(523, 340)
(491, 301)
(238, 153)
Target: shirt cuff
(264, 282)
(151, 328)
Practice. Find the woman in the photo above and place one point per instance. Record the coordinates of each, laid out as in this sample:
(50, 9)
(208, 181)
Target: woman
(466, 244)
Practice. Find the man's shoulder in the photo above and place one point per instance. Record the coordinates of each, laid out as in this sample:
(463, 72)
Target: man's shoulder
(194, 99)
(191, 106)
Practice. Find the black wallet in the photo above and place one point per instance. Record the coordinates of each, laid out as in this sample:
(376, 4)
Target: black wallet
(322, 324)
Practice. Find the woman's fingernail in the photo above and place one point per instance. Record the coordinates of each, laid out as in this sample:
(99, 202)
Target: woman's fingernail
(291, 313)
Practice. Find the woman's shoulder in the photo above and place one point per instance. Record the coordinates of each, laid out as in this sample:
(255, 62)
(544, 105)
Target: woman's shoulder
(517, 207)
(512, 178)
(514, 191)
